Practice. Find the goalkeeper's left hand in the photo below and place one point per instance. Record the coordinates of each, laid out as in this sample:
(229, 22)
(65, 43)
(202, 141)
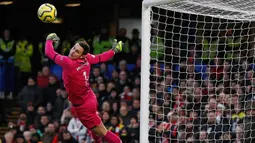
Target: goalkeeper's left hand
(53, 37)
(117, 46)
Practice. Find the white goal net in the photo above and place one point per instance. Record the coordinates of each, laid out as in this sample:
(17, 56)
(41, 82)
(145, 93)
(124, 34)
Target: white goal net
(200, 75)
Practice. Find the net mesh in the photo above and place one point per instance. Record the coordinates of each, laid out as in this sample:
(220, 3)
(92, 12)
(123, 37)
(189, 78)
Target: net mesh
(202, 72)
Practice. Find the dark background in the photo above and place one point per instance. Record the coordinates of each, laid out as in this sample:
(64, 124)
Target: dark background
(21, 16)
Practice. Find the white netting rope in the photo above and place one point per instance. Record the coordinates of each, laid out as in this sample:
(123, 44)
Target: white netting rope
(227, 9)
(202, 73)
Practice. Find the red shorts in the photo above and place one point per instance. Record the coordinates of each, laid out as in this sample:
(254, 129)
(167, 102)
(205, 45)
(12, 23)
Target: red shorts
(87, 112)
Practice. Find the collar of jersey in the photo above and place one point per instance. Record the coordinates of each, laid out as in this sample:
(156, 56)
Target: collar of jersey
(81, 61)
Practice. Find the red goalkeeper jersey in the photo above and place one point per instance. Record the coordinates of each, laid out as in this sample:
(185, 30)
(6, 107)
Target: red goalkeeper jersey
(76, 72)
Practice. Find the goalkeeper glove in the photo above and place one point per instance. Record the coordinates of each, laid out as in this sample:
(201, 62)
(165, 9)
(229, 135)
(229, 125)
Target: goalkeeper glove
(53, 37)
(117, 46)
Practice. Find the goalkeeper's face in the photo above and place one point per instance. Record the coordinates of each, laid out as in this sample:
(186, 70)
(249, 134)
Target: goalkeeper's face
(76, 52)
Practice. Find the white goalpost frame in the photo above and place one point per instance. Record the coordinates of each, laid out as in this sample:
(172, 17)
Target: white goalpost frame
(145, 67)
(145, 76)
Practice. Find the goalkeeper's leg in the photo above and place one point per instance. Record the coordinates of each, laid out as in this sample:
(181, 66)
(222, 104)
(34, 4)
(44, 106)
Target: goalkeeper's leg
(108, 136)
(97, 139)
(88, 115)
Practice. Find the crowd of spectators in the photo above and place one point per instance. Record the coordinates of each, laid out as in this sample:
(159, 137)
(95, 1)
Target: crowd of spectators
(204, 99)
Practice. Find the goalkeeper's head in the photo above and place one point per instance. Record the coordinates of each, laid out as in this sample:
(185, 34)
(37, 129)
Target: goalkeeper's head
(80, 49)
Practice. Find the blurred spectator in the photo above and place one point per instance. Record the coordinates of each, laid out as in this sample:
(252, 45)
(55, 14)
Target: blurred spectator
(110, 86)
(102, 42)
(28, 136)
(118, 128)
(44, 121)
(20, 138)
(133, 55)
(31, 114)
(106, 74)
(121, 36)
(30, 93)
(40, 111)
(36, 134)
(7, 43)
(106, 107)
(125, 115)
(43, 77)
(113, 96)
(135, 107)
(67, 138)
(50, 93)
(49, 133)
(106, 118)
(122, 66)
(76, 128)
(60, 104)
(137, 70)
(95, 74)
(133, 130)
(49, 109)
(122, 82)
(62, 128)
(126, 95)
(66, 116)
(22, 59)
(7, 51)
(102, 93)
(157, 43)
(8, 138)
(22, 122)
(115, 106)
(135, 39)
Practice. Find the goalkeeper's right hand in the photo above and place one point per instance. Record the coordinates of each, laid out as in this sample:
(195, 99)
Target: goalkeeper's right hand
(53, 37)
(117, 46)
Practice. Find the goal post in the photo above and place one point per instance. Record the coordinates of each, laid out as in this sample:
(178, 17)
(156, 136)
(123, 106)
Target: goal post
(145, 67)
(145, 73)
(197, 70)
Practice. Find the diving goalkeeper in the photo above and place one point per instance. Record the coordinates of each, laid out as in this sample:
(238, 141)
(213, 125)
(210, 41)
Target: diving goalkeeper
(76, 70)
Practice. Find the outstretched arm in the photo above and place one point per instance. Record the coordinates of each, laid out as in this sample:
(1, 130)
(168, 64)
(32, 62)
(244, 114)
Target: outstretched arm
(94, 59)
(63, 61)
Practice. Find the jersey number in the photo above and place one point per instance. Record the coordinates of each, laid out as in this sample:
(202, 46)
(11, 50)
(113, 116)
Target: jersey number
(86, 78)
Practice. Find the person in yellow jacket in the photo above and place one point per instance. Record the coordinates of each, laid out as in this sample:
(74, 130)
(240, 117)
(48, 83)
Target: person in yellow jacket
(225, 45)
(234, 43)
(7, 45)
(157, 44)
(157, 48)
(102, 42)
(210, 49)
(7, 51)
(22, 59)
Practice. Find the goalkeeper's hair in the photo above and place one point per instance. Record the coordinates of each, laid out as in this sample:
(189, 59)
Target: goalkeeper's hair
(85, 46)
